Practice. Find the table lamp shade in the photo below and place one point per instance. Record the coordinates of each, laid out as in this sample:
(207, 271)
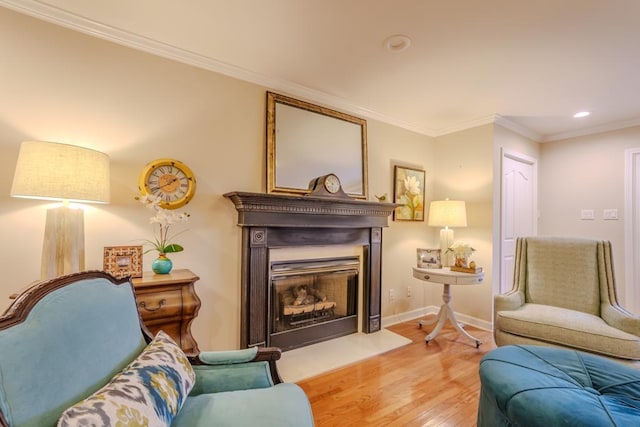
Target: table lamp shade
(52, 171)
(447, 213)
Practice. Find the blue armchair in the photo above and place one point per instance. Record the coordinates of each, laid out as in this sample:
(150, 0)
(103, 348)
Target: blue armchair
(72, 348)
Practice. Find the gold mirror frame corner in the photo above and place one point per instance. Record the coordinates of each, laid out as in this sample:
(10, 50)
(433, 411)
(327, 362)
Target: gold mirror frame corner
(275, 98)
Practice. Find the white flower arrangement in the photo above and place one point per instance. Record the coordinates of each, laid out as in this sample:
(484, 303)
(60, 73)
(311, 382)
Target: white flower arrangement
(461, 249)
(164, 219)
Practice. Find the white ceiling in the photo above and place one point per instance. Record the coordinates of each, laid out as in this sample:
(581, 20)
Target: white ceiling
(528, 65)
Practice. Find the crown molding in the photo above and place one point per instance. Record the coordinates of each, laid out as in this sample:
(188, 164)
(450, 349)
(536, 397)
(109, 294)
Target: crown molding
(537, 137)
(517, 128)
(495, 119)
(607, 127)
(464, 126)
(84, 25)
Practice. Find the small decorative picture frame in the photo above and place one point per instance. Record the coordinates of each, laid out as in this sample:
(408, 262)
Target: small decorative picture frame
(123, 261)
(408, 190)
(429, 258)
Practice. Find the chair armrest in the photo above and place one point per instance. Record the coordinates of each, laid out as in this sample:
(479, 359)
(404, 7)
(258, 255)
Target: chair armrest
(509, 301)
(250, 368)
(253, 354)
(620, 318)
(228, 357)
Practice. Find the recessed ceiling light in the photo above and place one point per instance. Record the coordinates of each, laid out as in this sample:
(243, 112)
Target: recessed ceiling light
(397, 43)
(581, 114)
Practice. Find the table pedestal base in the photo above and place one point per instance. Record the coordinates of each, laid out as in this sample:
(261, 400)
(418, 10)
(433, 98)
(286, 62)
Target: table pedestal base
(446, 312)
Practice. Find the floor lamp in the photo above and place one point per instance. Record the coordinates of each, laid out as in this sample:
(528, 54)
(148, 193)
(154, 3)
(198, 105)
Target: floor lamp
(67, 173)
(447, 213)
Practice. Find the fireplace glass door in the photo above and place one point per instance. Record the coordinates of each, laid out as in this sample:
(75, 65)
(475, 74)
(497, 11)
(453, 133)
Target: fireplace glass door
(313, 300)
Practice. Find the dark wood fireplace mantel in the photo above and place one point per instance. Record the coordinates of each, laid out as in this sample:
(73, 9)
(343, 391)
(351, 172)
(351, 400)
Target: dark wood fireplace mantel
(276, 221)
(276, 210)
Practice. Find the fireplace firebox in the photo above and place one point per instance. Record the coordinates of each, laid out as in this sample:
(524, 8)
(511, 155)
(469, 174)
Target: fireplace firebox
(273, 221)
(313, 300)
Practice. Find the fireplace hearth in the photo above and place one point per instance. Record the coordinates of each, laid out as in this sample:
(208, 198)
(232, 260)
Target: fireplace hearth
(273, 221)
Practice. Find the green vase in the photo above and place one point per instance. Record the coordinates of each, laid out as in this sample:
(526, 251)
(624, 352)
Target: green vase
(162, 264)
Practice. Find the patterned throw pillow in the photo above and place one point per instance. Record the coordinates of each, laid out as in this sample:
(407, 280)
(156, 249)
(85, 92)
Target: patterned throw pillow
(148, 392)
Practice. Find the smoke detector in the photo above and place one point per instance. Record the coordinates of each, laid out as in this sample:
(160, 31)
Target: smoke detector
(397, 43)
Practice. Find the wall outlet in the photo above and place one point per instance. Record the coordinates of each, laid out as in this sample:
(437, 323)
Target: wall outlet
(610, 214)
(408, 291)
(391, 294)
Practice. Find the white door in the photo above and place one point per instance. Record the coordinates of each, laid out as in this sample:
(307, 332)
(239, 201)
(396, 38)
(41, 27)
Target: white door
(519, 195)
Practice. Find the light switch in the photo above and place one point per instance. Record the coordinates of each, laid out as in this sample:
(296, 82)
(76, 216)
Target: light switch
(610, 214)
(587, 214)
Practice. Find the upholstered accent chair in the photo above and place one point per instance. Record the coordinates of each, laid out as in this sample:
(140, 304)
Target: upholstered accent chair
(564, 295)
(74, 351)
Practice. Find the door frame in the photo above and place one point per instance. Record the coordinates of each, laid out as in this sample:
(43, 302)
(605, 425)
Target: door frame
(632, 228)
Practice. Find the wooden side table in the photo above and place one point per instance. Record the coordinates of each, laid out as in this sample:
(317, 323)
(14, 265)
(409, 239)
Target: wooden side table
(169, 302)
(447, 277)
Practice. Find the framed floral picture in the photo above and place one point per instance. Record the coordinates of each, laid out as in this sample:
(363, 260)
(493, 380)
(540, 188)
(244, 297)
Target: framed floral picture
(408, 190)
(123, 261)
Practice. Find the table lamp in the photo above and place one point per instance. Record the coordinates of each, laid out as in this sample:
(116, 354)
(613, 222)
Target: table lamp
(67, 173)
(447, 213)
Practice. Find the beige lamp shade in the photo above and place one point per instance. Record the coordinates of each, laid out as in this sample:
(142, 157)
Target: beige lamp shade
(53, 171)
(61, 172)
(447, 213)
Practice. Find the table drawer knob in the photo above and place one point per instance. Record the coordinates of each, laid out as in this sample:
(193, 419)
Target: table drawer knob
(427, 277)
(143, 305)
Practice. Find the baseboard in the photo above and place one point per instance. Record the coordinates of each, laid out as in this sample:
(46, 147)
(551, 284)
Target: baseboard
(432, 309)
(409, 315)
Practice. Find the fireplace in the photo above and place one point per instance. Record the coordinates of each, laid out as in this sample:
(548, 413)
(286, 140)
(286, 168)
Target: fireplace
(313, 300)
(270, 222)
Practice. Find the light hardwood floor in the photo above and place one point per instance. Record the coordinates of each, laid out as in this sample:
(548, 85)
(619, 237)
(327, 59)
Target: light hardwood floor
(415, 385)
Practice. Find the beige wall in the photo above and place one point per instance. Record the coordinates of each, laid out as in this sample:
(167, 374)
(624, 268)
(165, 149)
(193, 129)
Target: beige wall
(390, 146)
(59, 85)
(587, 173)
(465, 172)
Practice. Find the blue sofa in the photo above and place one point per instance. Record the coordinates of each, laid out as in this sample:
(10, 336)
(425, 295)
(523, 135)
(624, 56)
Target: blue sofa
(74, 345)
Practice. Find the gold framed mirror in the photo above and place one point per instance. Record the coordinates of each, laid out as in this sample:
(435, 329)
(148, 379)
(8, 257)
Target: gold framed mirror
(305, 141)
